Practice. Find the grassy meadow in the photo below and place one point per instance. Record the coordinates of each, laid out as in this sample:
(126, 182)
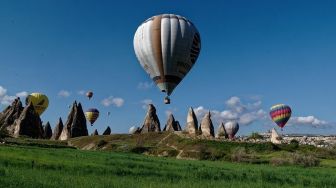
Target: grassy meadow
(36, 166)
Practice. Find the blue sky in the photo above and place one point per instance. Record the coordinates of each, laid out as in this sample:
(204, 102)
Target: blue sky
(254, 54)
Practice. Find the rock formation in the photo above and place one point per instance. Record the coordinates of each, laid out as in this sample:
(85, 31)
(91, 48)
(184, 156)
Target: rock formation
(206, 127)
(9, 115)
(178, 126)
(221, 133)
(28, 124)
(107, 131)
(151, 122)
(47, 133)
(58, 130)
(275, 138)
(75, 125)
(95, 133)
(172, 125)
(192, 123)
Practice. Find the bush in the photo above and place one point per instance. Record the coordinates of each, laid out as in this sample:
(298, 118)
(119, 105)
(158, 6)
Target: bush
(294, 144)
(255, 135)
(101, 143)
(306, 160)
(240, 154)
(3, 133)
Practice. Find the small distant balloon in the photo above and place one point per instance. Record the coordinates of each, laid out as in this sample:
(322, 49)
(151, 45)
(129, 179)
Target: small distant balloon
(89, 94)
(280, 114)
(133, 129)
(92, 115)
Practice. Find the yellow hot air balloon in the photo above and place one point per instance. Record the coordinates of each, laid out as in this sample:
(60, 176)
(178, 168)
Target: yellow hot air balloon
(39, 100)
(92, 115)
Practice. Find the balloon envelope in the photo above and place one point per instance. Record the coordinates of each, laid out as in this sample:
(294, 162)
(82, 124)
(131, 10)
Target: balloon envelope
(231, 128)
(92, 115)
(89, 94)
(167, 47)
(280, 114)
(39, 100)
(132, 130)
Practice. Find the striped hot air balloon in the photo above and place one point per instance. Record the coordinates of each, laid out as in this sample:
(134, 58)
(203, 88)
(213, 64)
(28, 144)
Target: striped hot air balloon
(167, 47)
(92, 115)
(280, 114)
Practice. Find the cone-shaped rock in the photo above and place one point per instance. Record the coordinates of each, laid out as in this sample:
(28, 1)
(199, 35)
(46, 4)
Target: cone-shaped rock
(28, 124)
(178, 126)
(9, 115)
(95, 133)
(192, 122)
(75, 126)
(107, 131)
(206, 127)
(172, 125)
(275, 137)
(221, 133)
(58, 130)
(47, 133)
(151, 122)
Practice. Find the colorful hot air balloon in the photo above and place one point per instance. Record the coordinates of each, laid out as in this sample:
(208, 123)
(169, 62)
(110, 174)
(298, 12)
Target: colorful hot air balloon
(167, 47)
(231, 128)
(280, 114)
(39, 100)
(92, 115)
(89, 94)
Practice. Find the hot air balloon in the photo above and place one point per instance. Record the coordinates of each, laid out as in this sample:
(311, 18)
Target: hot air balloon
(39, 100)
(280, 114)
(231, 128)
(167, 47)
(92, 115)
(89, 94)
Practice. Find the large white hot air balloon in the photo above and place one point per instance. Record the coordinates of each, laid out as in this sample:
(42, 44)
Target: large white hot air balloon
(231, 128)
(167, 47)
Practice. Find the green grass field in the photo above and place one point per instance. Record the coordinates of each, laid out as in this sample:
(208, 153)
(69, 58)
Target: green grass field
(35, 166)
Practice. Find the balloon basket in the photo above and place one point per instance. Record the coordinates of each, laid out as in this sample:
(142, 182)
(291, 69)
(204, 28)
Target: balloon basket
(167, 100)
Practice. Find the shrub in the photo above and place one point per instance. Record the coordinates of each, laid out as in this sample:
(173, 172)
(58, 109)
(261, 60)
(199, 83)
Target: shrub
(140, 141)
(306, 160)
(278, 161)
(294, 144)
(239, 154)
(3, 133)
(101, 143)
(255, 135)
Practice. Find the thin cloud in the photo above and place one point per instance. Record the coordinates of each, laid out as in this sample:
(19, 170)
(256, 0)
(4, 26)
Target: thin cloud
(22, 94)
(64, 93)
(308, 120)
(6, 99)
(145, 85)
(115, 101)
(145, 103)
(81, 92)
(245, 113)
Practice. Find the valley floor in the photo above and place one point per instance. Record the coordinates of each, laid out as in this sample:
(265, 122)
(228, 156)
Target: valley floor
(33, 166)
